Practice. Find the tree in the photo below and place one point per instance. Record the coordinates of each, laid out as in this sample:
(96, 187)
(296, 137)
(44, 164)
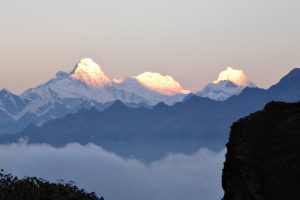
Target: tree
(33, 188)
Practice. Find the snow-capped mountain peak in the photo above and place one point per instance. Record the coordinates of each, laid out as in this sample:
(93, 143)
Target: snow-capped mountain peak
(220, 91)
(90, 73)
(230, 82)
(166, 85)
(238, 77)
(88, 86)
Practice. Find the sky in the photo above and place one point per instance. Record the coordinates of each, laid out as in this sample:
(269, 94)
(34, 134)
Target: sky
(191, 40)
(176, 177)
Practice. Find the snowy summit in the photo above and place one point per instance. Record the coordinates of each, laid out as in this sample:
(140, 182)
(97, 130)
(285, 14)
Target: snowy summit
(90, 73)
(230, 82)
(166, 85)
(238, 77)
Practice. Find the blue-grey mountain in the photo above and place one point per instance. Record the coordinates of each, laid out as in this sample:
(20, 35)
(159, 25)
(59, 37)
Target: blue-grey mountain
(149, 134)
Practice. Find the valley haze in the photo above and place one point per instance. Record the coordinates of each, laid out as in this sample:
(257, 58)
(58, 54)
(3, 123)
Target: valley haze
(146, 100)
(173, 177)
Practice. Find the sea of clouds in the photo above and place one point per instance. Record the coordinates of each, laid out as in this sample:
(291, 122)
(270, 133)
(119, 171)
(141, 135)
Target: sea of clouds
(176, 177)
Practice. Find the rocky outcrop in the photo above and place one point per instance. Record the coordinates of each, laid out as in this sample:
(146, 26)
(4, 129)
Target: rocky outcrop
(263, 155)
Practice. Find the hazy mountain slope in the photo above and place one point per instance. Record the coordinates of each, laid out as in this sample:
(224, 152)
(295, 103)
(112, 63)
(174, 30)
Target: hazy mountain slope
(151, 133)
(10, 102)
(10, 105)
(220, 91)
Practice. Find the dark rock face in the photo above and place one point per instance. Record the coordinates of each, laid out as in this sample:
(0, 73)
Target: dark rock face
(263, 155)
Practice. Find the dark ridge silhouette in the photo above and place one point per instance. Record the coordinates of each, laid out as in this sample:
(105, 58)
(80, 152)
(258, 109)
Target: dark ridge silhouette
(263, 155)
(32, 188)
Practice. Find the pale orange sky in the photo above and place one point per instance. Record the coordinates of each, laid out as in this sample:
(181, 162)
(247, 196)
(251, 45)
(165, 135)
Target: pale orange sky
(190, 40)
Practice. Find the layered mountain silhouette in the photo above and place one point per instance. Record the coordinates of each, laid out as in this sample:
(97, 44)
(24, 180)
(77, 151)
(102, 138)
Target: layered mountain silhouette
(84, 87)
(88, 86)
(149, 134)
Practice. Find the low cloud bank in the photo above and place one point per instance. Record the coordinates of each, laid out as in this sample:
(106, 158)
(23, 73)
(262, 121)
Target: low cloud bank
(175, 177)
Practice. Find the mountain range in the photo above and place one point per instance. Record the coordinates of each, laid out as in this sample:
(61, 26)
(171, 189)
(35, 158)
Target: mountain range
(87, 86)
(151, 133)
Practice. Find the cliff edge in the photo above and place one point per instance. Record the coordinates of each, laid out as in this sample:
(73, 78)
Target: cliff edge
(263, 155)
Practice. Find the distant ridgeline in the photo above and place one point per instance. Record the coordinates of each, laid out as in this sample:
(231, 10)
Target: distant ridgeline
(263, 155)
(149, 134)
(87, 86)
(30, 188)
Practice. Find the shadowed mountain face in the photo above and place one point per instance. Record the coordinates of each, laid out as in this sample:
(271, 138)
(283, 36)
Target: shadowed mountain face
(11, 102)
(149, 134)
(263, 155)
